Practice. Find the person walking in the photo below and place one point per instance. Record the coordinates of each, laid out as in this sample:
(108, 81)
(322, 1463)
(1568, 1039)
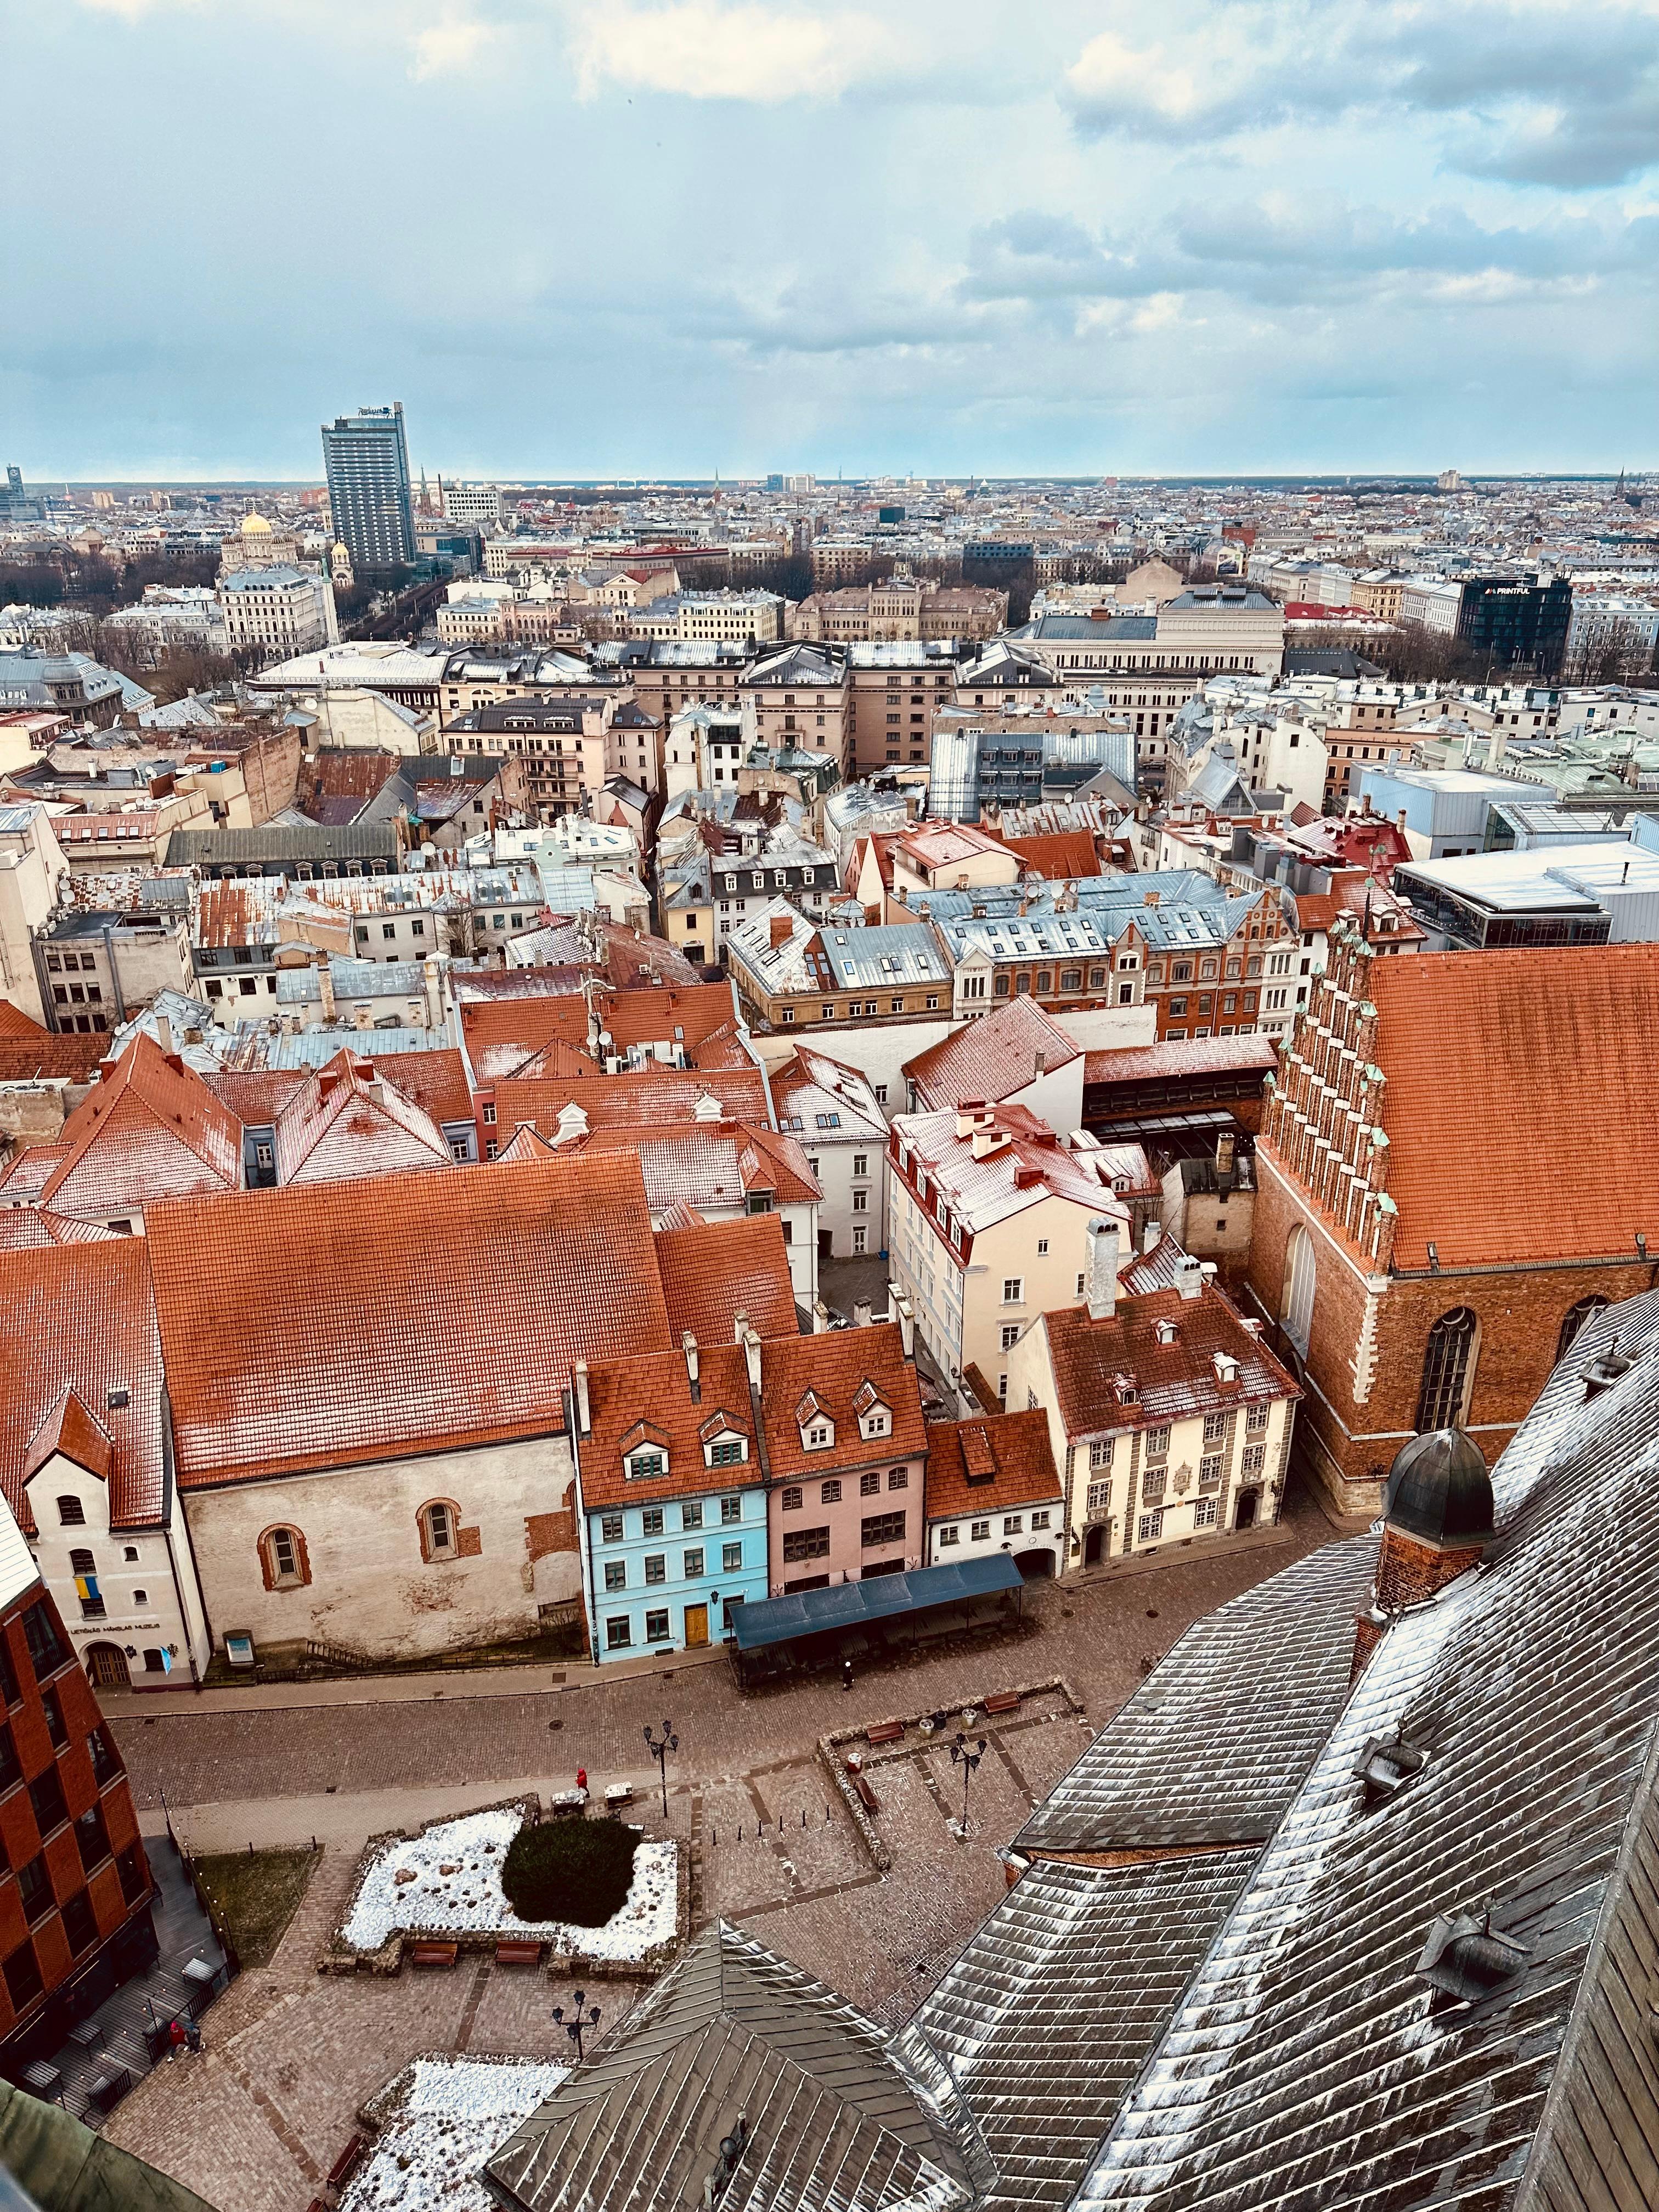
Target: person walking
(581, 1780)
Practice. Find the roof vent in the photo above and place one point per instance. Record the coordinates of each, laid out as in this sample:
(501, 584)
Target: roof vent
(1465, 1958)
(1605, 1370)
(1385, 1766)
(114, 1399)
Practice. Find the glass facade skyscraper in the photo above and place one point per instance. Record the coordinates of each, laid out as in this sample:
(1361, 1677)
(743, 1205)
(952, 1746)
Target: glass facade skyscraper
(367, 465)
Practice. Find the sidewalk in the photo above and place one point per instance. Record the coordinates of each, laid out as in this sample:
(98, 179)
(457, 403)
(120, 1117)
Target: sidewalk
(454, 1684)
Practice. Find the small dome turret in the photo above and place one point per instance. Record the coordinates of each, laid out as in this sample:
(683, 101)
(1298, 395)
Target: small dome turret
(1438, 1490)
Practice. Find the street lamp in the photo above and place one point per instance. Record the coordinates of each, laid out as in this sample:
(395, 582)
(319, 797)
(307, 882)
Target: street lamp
(968, 1760)
(576, 2027)
(659, 1751)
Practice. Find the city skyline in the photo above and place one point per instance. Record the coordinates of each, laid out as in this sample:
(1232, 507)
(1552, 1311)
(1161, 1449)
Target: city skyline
(1218, 239)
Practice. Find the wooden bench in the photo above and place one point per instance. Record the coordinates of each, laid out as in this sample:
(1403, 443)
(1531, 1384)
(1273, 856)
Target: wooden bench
(867, 1796)
(1005, 1701)
(885, 1732)
(433, 1954)
(516, 1951)
(346, 2163)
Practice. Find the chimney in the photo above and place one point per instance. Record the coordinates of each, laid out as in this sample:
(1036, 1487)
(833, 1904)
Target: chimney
(752, 1354)
(1150, 1235)
(820, 1318)
(693, 1366)
(164, 1030)
(907, 1322)
(968, 1114)
(1100, 1278)
(863, 1313)
(1189, 1276)
(987, 1139)
(326, 985)
(1225, 1145)
(1042, 1061)
(779, 929)
(1436, 1524)
(579, 1379)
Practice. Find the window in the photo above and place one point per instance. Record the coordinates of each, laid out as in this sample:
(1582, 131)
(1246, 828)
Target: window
(807, 1544)
(650, 1522)
(616, 1574)
(869, 1486)
(694, 1563)
(1100, 1452)
(46, 1648)
(1209, 1469)
(898, 1478)
(438, 1539)
(1297, 1314)
(1157, 1443)
(1253, 1459)
(951, 1536)
(980, 1532)
(644, 1466)
(23, 1982)
(881, 1529)
(1215, 1427)
(1042, 1519)
(1013, 1524)
(731, 1509)
(105, 1763)
(34, 1888)
(792, 1500)
(72, 1514)
(830, 1493)
(1099, 1497)
(1150, 1526)
(692, 1513)
(618, 1632)
(1256, 1417)
(656, 1569)
(92, 1838)
(1448, 1360)
(46, 1798)
(1204, 1513)
(731, 1452)
(656, 1625)
(1571, 1321)
(1013, 1289)
(860, 1201)
(731, 1558)
(610, 1528)
(52, 1705)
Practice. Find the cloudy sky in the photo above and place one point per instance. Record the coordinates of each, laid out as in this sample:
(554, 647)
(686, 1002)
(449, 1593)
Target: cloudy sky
(596, 237)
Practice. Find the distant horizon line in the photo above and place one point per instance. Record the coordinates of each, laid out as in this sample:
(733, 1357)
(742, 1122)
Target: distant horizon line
(1337, 479)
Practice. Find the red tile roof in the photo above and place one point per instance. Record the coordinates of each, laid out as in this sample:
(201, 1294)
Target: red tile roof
(150, 1129)
(70, 1429)
(433, 1081)
(1172, 1381)
(1195, 1056)
(713, 1271)
(990, 1058)
(15, 1023)
(81, 1318)
(32, 1056)
(656, 1393)
(655, 1095)
(709, 1164)
(256, 1096)
(1520, 1107)
(1001, 1459)
(1060, 857)
(361, 1320)
(836, 1366)
(28, 1228)
(346, 1120)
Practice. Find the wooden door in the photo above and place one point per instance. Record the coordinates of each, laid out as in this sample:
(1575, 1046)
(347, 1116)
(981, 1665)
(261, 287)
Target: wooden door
(696, 1626)
(107, 1663)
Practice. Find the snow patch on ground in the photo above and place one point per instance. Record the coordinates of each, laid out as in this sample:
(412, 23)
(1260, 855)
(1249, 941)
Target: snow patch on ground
(452, 1885)
(451, 2116)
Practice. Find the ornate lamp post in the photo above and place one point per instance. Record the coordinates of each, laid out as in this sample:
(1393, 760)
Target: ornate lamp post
(659, 1751)
(968, 1760)
(578, 2025)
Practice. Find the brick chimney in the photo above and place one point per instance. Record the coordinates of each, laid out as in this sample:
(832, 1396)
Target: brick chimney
(693, 1366)
(1100, 1276)
(1436, 1524)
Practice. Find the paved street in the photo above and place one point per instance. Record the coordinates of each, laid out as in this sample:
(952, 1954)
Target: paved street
(256, 2122)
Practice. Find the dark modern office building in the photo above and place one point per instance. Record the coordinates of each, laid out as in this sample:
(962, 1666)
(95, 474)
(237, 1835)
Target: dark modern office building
(1515, 622)
(367, 464)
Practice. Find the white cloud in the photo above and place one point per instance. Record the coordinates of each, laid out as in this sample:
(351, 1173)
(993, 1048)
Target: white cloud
(703, 51)
(449, 47)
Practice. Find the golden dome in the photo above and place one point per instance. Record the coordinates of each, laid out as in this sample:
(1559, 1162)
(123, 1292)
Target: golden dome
(255, 526)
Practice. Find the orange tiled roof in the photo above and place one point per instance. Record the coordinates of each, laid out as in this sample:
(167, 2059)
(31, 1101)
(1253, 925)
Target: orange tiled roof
(70, 1429)
(1172, 1381)
(256, 1096)
(649, 1097)
(989, 1059)
(80, 1317)
(150, 1129)
(354, 1321)
(657, 1391)
(31, 1055)
(999, 1459)
(713, 1271)
(1062, 856)
(28, 1228)
(433, 1081)
(1213, 1056)
(1520, 1107)
(346, 1121)
(836, 1366)
(15, 1023)
(708, 1164)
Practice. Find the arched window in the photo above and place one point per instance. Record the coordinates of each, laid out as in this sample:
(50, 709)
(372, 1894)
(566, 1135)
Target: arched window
(1300, 1269)
(1448, 1366)
(71, 1513)
(1574, 1319)
(283, 1562)
(438, 1520)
